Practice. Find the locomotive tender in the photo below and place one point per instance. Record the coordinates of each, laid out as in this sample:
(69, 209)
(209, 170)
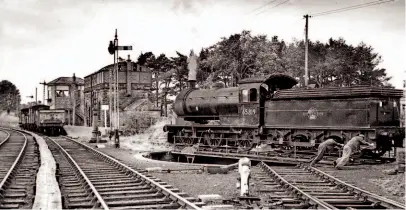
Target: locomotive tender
(39, 118)
(269, 110)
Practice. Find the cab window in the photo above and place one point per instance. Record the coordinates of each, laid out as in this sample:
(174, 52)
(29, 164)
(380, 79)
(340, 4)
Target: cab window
(250, 95)
(244, 94)
(253, 94)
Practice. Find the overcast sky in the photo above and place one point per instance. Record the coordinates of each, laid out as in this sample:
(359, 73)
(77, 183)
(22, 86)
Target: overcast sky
(45, 39)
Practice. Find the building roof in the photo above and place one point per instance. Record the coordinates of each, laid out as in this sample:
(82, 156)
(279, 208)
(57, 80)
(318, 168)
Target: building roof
(66, 81)
(123, 66)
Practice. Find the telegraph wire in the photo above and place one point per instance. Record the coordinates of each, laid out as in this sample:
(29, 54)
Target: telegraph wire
(284, 2)
(268, 3)
(344, 9)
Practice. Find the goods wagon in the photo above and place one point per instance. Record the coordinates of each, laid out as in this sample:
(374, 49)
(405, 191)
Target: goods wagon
(39, 118)
(270, 111)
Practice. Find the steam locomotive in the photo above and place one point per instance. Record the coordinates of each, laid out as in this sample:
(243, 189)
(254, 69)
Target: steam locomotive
(271, 111)
(40, 118)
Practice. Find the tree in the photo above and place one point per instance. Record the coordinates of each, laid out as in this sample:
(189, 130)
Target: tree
(180, 66)
(335, 63)
(9, 96)
(163, 65)
(243, 55)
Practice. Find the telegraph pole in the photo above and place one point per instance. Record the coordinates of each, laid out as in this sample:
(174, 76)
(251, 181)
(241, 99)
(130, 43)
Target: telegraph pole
(43, 94)
(306, 50)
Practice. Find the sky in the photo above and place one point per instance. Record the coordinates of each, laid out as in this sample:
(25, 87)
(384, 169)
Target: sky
(45, 39)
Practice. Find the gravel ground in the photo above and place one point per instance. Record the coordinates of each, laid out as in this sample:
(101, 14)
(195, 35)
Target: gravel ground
(368, 177)
(373, 178)
(193, 182)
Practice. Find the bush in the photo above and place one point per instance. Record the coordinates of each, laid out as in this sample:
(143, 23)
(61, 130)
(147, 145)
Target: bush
(136, 122)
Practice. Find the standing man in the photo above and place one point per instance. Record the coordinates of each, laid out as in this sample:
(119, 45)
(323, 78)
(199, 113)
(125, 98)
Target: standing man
(350, 148)
(327, 145)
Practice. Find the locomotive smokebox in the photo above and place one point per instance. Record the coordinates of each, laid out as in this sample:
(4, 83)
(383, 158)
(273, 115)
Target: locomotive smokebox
(192, 66)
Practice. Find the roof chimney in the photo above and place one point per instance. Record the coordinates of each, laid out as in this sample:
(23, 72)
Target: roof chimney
(128, 58)
(74, 78)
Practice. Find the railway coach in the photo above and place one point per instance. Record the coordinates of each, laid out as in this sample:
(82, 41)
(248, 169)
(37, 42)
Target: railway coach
(269, 110)
(39, 118)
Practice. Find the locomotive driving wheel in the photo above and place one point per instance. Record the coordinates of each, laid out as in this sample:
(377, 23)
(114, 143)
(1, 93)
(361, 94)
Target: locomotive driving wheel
(246, 141)
(213, 139)
(188, 139)
(184, 138)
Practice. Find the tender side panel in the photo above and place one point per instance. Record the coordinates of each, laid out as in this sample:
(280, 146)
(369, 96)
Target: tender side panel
(329, 112)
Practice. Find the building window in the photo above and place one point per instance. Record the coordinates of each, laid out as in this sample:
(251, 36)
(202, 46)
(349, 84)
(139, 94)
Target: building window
(62, 93)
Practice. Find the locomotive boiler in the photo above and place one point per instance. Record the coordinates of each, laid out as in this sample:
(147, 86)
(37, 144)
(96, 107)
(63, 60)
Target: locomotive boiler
(39, 118)
(270, 111)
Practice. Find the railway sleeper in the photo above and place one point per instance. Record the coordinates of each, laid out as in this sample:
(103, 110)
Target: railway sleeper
(152, 206)
(134, 197)
(133, 192)
(105, 186)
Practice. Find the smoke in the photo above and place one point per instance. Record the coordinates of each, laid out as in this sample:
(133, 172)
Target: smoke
(192, 66)
(10, 120)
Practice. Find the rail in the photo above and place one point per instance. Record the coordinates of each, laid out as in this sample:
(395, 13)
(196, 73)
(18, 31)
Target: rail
(172, 195)
(16, 162)
(308, 197)
(376, 198)
(7, 137)
(89, 183)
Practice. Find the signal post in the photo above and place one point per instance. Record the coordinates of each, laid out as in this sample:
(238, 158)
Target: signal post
(114, 89)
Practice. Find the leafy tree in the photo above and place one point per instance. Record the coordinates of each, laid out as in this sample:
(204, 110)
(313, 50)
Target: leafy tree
(145, 58)
(163, 69)
(9, 96)
(243, 55)
(181, 69)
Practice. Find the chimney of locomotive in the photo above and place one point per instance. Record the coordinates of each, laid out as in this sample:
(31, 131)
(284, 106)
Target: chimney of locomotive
(192, 66)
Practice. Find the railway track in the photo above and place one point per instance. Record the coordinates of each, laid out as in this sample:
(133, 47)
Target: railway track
(307, 187)
(91, 179)
(19, 164)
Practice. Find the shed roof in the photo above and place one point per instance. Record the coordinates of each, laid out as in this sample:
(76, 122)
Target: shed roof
(65, 81)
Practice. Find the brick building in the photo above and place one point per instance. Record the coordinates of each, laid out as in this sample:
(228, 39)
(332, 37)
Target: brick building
(135, 82)
(66, 93)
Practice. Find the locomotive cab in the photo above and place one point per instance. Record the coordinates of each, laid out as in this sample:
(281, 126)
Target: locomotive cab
(255, 91)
